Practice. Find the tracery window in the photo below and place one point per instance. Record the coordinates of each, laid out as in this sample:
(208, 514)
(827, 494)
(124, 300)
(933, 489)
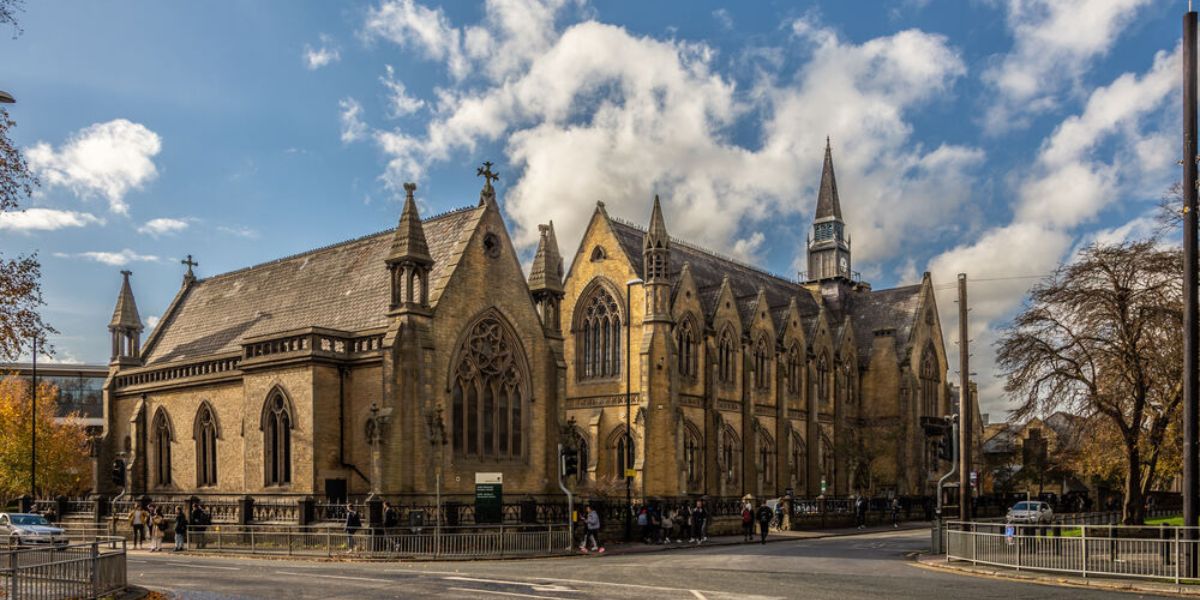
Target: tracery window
(686, 341)
(799, 462)
(624, 453)
(766, 458)
(598, 343)
(793, 369)
(822, 382)
(762, 364)
(489, 392)
(692, 454)
(726, 356)
(581, 447)
(162, 448)
(277, 440)
(730, 456)
(930, 382)
(205, 433)
(828, 470)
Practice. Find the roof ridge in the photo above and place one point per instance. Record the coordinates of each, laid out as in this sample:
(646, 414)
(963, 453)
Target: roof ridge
(331, 246)
(713, 253)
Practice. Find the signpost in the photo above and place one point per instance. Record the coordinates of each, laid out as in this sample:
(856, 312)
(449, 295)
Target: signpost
(489, 498)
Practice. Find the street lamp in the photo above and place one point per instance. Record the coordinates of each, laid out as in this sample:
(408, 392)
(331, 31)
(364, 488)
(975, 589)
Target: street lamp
(628, 419)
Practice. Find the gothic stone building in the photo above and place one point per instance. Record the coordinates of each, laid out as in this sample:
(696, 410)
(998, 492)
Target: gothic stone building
(383, 362)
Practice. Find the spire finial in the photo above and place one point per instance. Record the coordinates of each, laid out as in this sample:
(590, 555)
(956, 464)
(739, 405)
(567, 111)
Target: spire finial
(489, 193)
(409, 188)
(189, 263)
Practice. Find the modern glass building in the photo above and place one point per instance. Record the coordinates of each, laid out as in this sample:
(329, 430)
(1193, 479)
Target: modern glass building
(80, 387)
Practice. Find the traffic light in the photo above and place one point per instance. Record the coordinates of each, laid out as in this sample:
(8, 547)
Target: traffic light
(118, 473)
(570, 462)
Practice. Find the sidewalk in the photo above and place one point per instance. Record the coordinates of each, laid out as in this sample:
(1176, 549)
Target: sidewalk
(938, 562)
(621, 548)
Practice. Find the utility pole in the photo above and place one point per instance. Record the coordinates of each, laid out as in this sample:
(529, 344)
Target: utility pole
(33, 427)
(965, 410)
(1191, 486)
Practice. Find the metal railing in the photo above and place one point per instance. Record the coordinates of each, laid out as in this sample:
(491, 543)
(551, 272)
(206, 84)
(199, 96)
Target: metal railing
(1161, 553)
(84, 570)
(424, 542)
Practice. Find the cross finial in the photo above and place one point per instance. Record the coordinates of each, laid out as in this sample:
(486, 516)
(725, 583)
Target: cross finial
(487, 173)
(127, 274)
(190, 263)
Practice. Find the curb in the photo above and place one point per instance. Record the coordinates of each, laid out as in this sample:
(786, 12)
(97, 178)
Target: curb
(927, 561)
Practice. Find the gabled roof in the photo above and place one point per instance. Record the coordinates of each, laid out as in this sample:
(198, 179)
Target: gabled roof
(894, 309)
(344, 286)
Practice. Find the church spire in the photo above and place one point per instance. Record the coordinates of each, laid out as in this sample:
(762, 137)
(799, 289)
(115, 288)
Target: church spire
(656, 266)
(828, 204)
(545, 280)
(126, 325)
(408, 260)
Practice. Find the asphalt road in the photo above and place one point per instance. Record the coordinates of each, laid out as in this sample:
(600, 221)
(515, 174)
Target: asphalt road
(845, 568)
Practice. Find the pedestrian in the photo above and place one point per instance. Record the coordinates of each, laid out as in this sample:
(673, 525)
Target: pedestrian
(643, 521)
(765, 514)
(137, 522)
(391, 516)
(860, 511)
(656, 526)
(747, 521)
(895, 512)
(699, 523)
(353, 524)
(157, 526)
(181, 525)
(198, 521)
(668, 525)
(592, 520)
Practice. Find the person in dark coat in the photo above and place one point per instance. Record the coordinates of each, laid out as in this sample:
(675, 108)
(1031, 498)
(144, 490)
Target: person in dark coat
(699, 523)
(764, 515)
(198, 520)
(181, 525)
(353, 524)
(860, 511)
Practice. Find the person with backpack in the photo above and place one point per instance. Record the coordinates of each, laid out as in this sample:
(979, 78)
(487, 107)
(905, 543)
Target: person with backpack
(353, 524)
(592, 521)
(764, 515)
(747, 521)
(181, 525)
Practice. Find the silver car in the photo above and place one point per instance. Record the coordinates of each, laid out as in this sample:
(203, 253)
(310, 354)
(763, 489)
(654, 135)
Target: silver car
(1032, 512)
(20, 529)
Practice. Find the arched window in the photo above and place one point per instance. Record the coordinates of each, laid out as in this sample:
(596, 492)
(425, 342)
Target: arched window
(762, 364)
(799, 462)
(598, 337)
(731, 456)
(822, 382)
(581, 446)
(930, 382)
(686, 341)
(828, 470)
(162, 448)
(624, 453)
(766, 457)
(277, 440)
(693, 454)
(489, 392)
(793, 369)
(205, 433)
(726, 357)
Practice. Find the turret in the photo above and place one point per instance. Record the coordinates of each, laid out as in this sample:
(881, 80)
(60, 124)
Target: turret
(545, 279)
(126, 327)
(656, 256)
(408, 261)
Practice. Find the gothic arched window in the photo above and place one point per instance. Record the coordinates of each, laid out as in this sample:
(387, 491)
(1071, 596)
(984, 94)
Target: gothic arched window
(693, 456)
(205, 433)
(624, 453)
(762, 364)
(581, 446)
(731, 455)
(162, 448)
(799, 462)
(930, 382)
(793, 369)
(489, 392)
(828, 470)
(598, 337)
(766, 458)
(277, 440)
(726, 357)
(686, 341)
(822, 382)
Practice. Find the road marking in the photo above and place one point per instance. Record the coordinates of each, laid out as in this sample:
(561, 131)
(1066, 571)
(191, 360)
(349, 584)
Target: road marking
(537, 587)
(200, 566)
(698, 595)
(374, 579)
(498, 593)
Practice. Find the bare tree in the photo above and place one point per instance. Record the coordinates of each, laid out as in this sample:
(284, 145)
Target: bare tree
(1102, 337)
(8, 15)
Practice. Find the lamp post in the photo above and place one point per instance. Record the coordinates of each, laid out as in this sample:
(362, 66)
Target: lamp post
(628, 410)
(33, 427)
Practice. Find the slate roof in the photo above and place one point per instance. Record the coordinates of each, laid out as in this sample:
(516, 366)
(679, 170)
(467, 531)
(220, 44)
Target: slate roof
(894, 308)
(125, 314)
(344, 286)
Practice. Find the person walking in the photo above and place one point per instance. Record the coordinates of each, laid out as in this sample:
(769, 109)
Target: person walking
(592, 520)
(668, 525)
(181, 525)
(199, 521)
(643, 521)
(137, 522)
(764, 514)
(353, 524)
(895, 512)
(157, 526)
(860, 511)
(747, 521)
(699, 523)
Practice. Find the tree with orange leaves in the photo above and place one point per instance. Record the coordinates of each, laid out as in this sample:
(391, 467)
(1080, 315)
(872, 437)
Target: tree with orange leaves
(62, 458)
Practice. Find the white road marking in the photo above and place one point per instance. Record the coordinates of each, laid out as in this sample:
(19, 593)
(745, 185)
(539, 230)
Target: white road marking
(201, 566)
(698, 595)
(513, 594)
(496, 581)
(346, 577)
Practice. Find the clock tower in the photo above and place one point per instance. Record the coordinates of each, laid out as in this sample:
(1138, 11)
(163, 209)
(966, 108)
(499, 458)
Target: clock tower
(828, 244)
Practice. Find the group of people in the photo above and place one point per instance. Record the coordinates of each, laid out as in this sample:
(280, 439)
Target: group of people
(149, 522)
(657, 524)
(764, 515)
(862, 504)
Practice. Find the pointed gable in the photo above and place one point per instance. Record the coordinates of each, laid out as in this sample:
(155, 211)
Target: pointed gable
(125, 314)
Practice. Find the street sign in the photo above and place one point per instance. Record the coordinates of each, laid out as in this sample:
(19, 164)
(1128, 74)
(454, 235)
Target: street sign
(823, 487)
(489, 497)
(631, 472)
(974, 478)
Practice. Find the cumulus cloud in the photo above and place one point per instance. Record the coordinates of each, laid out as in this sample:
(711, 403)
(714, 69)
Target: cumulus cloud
(325, 54)
(116, 259)
(104, 159)
(162, 226)
(1055, 42)
(239, 231)
(45, 219)
(399, 102)
(601, 114)
(152, 321)
(353, 127)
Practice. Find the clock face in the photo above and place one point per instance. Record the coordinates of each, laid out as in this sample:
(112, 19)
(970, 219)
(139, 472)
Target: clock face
(843, 263)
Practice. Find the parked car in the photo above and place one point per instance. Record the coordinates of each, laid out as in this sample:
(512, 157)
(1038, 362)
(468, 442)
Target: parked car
(20, 529)
(1033, 512)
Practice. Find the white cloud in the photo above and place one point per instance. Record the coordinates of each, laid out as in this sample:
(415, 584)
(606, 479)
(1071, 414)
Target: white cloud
(723, 18)
(603, 114)
(45, 219)
(116, 259)
(399, 102)
(162, 226)
(152, 321)
(325, 54)
(1055, 42)
(239, 231)
(353, 127)
(104, 159)
(408, 24)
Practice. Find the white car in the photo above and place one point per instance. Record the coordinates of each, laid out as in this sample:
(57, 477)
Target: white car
(19, 529)
(1033, 512)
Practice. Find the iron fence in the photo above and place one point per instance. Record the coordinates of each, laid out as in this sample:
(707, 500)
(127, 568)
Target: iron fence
(427, 542)
(78, 570)
(1161, 553)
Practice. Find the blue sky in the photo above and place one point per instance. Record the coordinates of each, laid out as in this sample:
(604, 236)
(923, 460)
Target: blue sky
(987, 136)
